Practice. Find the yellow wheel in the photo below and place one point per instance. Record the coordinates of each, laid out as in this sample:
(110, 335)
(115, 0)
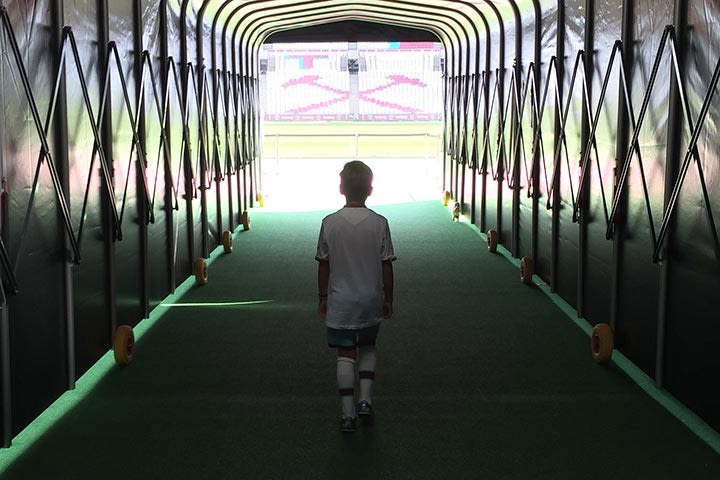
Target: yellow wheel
(601, 343)
(492, 241)
(527, 269)
(227, 241)
(246, 220)
(260, 200)
(201, 271)
(123, 344)
(446, 198)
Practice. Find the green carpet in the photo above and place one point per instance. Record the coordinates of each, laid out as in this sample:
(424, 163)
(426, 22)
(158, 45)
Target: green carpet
(479, 376)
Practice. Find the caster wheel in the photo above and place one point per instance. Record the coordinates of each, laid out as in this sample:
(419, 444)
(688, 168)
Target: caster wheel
(201, 271)
(601, 343)
(124, 345)
(527, 269)
(227, 241)
(446, 198)
(456, 212)
(246, 220)
(492, 241)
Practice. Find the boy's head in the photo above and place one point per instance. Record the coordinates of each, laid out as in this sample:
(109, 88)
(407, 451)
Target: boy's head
(356, 181)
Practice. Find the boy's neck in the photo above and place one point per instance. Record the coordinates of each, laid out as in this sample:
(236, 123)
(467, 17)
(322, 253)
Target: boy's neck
(350, 204)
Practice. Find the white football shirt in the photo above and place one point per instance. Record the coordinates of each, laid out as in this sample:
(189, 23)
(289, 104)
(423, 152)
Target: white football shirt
(355, 241)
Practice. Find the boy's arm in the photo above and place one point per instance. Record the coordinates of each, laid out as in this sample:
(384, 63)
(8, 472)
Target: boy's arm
(388, 289)
(323, 280)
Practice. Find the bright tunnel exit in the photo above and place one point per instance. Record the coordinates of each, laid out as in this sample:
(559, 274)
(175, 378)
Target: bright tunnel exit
(325, 104)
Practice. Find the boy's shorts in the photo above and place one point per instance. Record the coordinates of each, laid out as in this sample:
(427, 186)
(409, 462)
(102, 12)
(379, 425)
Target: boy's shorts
(352, 337)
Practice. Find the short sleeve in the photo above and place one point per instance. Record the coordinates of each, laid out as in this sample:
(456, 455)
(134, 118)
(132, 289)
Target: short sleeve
(387, 250)
(323, 253)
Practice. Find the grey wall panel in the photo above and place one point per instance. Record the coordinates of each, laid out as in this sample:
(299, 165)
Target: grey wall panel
(639, 278)
(599, 256)
(37, 313)
(91, 300)
(692, 333)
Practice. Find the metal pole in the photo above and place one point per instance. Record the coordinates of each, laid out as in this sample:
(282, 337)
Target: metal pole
(583, 200)
(142, 206)
(61, 156)
(555, 222)
(106, 132)
(6, 384)
(675, 117)
(5, 372)
(168, 192)
(187, 153)
(536, 155)
(621, 152)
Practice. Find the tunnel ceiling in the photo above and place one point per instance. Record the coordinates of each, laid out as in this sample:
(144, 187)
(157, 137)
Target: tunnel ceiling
(352, 31)
(464, 27)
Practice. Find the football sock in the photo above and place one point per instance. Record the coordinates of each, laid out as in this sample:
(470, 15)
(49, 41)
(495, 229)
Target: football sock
(346, 385)
(366, 367)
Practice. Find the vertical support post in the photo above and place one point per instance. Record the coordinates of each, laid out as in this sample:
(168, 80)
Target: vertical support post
(583, 201)
(621, 152)
(5, 372)
(5, 382)
(60, 133)
(560, 68)
(203, 130)
(187, 154)
(536, 155)
(142, 206)
(515, 242)
(167, 174)
(673, 156)
(107, 136)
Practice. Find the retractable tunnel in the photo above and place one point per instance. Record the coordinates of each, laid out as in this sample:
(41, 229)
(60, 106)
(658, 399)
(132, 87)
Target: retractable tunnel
(579, 135)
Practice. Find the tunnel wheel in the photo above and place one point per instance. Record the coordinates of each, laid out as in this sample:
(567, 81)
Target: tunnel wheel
(201, 271)
(246, 220)
(227, 241)
(492, 241)
(446, 198)
(456, 212)
(123, 344)
(527, 269)
(601, 343)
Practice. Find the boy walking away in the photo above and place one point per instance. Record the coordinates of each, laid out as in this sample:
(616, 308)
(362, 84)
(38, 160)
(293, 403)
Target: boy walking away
(355, 282)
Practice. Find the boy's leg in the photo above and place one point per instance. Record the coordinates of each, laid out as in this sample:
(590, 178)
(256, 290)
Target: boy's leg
(345, 341)
(346, 379)
(367, 360)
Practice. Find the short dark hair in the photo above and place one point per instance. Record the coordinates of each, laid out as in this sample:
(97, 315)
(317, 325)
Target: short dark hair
(356, 179)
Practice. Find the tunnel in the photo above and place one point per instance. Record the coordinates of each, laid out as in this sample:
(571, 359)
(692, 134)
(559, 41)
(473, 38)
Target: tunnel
(576, 137)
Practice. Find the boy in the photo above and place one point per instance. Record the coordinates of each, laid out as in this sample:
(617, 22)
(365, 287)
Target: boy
(355, 282)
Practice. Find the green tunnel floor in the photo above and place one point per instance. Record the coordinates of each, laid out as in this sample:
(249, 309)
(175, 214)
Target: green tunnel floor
(478, 376)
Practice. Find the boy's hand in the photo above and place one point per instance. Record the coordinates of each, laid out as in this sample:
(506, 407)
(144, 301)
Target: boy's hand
(387, 310)
(322, 308)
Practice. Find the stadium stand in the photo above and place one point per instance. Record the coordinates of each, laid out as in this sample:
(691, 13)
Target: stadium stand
(393, 81)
